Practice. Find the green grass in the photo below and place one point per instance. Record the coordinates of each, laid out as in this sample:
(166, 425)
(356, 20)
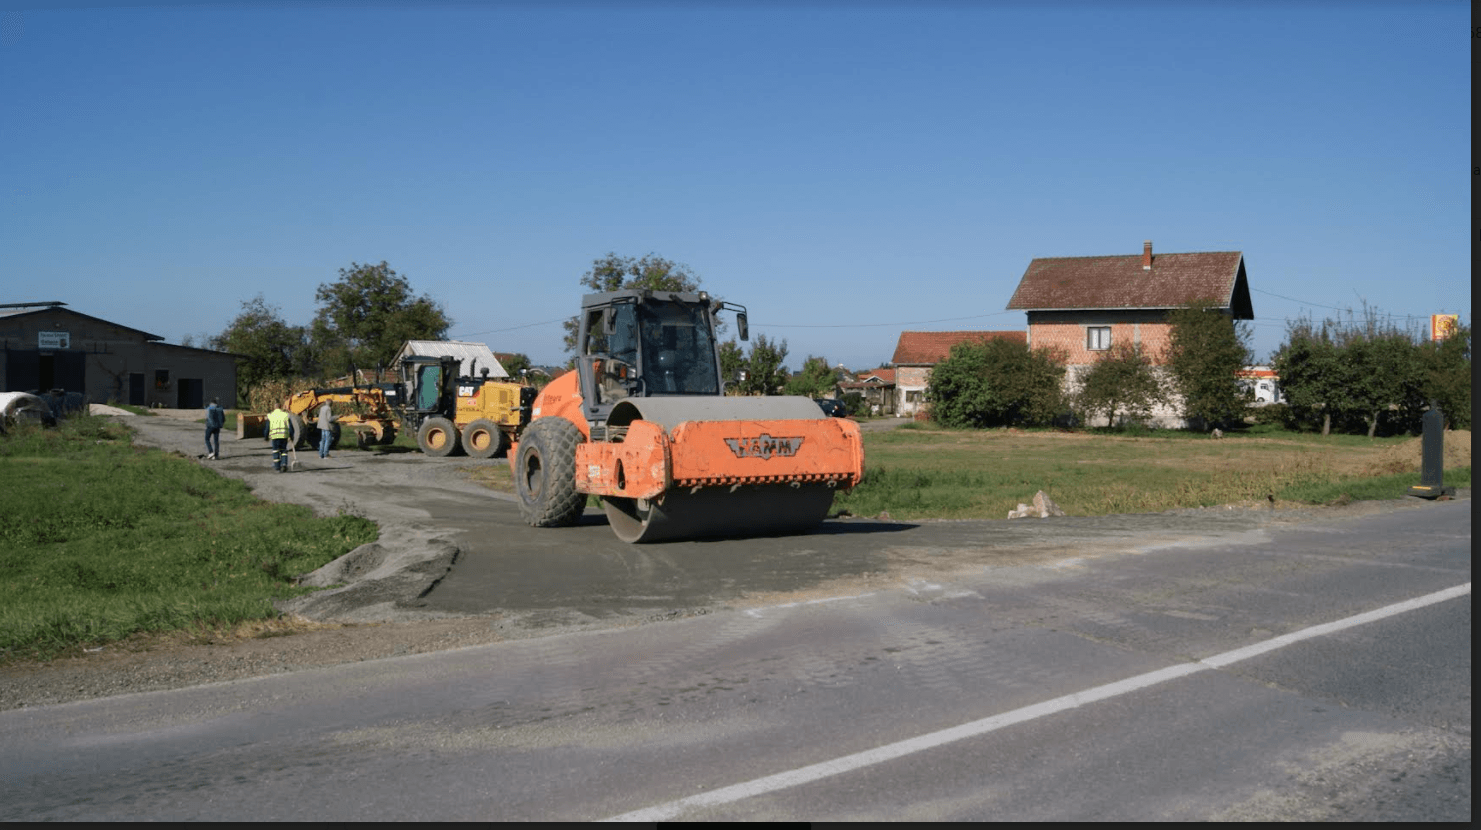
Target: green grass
(924, 472)
(100, 540)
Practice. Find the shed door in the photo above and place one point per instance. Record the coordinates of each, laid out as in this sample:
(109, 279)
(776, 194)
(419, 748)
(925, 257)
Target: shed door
(190, 393)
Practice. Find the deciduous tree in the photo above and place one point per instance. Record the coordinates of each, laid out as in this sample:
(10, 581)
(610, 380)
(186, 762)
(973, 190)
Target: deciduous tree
(614, 273)
(766, 371)
(270, 348)
(997, 383)
(1312, 376)
(1446, 365)
(1205, 350)
(1122, 382)
(367, 315)
(732, 363)
(815, 380)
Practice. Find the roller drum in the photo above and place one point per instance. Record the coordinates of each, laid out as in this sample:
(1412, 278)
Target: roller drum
(710, 512)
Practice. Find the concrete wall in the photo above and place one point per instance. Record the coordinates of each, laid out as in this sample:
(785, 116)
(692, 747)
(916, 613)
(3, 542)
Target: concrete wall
(911, 383)
(108, 362)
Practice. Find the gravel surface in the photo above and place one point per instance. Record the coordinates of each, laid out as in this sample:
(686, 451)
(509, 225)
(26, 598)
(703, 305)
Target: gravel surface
(366, 620)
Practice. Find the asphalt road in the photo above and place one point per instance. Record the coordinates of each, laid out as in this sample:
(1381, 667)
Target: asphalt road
(1105, 683)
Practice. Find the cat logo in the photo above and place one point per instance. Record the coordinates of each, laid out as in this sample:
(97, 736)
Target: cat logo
(764, 447)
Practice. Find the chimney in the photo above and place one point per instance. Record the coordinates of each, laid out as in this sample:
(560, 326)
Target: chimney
(1147, 255)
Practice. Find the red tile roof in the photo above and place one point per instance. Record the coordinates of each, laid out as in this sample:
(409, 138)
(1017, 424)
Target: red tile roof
(927, 348)
(885, 375)
(1120, 282)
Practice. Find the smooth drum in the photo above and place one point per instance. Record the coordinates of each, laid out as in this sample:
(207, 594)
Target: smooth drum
(721, 511)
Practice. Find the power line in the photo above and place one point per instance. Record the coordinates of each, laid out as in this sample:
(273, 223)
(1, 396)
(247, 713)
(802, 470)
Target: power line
(511, 328)
(1417, 317)
(879, 325)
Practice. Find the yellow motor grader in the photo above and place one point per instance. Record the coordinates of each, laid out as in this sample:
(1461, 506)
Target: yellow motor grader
(449, 414)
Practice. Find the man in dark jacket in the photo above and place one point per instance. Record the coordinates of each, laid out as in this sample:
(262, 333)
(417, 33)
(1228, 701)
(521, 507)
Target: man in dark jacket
(215, 420)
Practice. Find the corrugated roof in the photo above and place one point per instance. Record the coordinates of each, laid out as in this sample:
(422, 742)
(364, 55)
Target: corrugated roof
(1121, 282)
(473, 358)
(932, 347)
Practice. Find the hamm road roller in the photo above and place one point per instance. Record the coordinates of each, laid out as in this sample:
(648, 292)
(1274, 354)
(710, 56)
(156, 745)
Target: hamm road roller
(644, 423)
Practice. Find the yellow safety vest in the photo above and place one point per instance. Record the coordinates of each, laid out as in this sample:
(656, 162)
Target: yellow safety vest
(278, 423)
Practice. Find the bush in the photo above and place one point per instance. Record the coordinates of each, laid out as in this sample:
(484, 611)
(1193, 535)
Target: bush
(1123, 382)
(996, 383)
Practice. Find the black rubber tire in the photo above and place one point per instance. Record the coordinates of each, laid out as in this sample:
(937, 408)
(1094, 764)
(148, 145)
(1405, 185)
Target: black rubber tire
(545, 473)
(388, 437)
(438, 437)
(334, 435)
(299, 432)
(483, 439)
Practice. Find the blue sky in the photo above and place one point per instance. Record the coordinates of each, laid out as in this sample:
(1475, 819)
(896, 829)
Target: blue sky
(847, 170)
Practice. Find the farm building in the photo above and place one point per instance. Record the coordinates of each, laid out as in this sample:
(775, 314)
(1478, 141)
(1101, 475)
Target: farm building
(47, 346)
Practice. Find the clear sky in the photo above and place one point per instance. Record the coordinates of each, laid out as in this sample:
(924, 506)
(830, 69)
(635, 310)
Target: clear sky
(847, 170)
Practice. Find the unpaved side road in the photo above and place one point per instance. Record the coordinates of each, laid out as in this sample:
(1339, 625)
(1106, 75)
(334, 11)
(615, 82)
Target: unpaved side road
(455, 566)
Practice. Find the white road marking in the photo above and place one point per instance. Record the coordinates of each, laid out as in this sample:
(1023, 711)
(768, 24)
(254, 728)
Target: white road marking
(931, 740)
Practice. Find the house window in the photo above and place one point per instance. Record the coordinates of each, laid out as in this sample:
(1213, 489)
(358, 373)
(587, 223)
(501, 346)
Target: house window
(1098, 338)
(161, 378)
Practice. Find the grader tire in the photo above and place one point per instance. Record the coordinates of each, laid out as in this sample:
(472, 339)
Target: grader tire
(438, 437)
(300, 434)
(482, 439)
(545, 473)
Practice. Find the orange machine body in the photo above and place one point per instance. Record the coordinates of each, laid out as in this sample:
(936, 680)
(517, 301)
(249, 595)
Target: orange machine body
(651, 459)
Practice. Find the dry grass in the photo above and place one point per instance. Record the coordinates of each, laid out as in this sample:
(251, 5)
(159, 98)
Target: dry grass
(963, 474)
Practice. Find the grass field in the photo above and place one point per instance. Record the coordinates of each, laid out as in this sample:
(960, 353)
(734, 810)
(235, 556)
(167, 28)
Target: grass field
(982, 474)
(100, 540)
(922, 473)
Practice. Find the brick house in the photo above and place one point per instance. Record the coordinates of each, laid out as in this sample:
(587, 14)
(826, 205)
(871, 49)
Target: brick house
(918, 351)
(1084, 305)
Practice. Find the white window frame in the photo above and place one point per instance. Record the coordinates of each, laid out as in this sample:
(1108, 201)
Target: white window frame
(1097, 335)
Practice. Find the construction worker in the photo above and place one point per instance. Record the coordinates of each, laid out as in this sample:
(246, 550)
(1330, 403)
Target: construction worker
(280, 432)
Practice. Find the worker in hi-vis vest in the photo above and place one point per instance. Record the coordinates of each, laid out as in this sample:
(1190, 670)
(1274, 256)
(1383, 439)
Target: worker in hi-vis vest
(280, 432)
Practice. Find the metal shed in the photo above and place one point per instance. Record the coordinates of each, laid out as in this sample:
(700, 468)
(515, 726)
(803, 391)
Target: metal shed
(473, 357)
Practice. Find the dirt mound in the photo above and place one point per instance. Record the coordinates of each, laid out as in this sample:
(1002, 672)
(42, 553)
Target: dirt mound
(1405, 457)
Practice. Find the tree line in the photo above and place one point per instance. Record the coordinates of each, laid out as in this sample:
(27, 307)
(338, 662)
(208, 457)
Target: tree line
(365, 316)
(361, 322)
(1369, 377)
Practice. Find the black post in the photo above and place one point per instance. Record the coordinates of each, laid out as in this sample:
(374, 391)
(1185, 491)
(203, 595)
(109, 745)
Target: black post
(1432, 457)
